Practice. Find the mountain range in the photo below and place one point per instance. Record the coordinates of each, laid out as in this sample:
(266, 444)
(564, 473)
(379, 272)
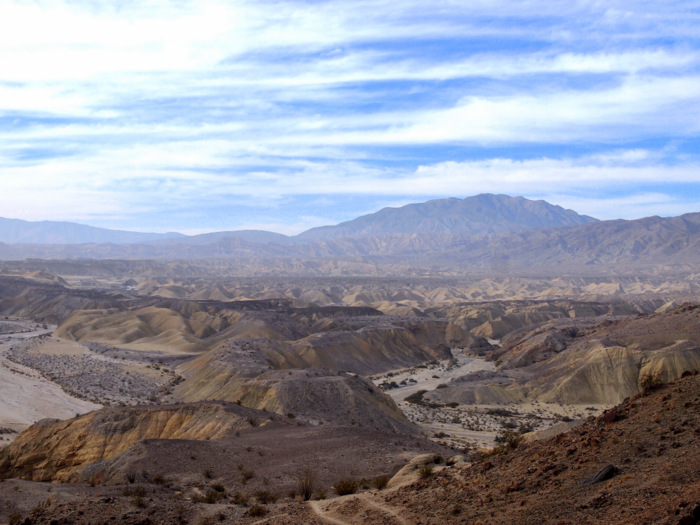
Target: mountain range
(484, 213)
(485, 231)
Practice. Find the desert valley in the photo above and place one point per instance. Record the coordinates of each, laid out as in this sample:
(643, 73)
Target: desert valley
(483, 360)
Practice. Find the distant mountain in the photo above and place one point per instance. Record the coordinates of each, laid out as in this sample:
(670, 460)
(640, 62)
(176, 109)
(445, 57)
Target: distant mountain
(258, 236)
(578, 243)
(15, 231)
(480, 214)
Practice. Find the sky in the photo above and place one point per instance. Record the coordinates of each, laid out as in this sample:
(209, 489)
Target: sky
(197, 116)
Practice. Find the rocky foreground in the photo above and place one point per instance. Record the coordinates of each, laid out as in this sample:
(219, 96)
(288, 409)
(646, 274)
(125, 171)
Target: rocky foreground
(637, 463)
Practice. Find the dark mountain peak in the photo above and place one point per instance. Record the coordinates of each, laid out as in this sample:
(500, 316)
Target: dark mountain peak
(484, 213)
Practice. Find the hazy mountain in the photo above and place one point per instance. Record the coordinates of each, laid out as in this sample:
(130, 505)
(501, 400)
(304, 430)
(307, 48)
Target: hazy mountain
(258, 236)
(15, 231)
(621, 244)
(484, 213)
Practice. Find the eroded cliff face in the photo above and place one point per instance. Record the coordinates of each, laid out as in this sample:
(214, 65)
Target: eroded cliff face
(54, 450)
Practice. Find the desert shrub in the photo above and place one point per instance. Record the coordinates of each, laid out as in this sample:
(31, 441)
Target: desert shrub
(211, 496)
(345, 486)
(506, 441)
(264, 497)
(305, 484)
(16, 518)
(218, 487)
(502, 412)
(321, 494)
(246, 475)
(158, 479)
(210, 520)
(240, 499)
(441, 385)
(425, 471)
(257, 511)
(416, 398)
(651, 381)
(207, 474)
(134, 491)
(380, 482)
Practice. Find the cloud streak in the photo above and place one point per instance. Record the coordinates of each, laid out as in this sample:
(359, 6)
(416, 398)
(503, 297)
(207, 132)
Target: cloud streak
(126, 115)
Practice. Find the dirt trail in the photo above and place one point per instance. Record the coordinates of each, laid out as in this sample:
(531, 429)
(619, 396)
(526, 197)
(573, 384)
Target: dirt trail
(357, 509)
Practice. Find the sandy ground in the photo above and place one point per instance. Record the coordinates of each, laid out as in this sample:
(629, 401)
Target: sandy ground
(26, 396)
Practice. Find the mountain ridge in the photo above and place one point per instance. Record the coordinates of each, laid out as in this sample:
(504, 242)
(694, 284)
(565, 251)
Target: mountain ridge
(479, 214)
(18, 231)
(484, 213)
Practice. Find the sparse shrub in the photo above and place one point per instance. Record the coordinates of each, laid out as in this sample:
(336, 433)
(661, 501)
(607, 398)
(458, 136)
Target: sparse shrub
(264, 497)
(240, 499)
(257, 511)
(416, 398)
(380, 482)
(134, 491)
(207, 474)
(441, 385)
(158, 479)
(218, 487)
(506, 441)
(345, 486)
(321, 494)
(305, 484)
(16, 518)
(211, 496)
(524, 428)
(425, 471)
(246, 475)
(651, 381)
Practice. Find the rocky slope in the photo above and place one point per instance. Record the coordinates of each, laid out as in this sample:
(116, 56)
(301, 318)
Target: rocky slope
(636, 464)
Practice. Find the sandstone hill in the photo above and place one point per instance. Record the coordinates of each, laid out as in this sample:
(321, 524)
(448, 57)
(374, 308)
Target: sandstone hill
(585, 362)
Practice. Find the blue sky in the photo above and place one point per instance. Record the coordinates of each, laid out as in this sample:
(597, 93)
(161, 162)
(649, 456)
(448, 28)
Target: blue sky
(284, 115)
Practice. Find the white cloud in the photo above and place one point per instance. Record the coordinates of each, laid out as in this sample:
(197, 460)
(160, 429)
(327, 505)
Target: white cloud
(170, 104)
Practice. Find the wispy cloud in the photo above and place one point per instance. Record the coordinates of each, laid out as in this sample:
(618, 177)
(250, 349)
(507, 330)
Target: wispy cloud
(132, 112)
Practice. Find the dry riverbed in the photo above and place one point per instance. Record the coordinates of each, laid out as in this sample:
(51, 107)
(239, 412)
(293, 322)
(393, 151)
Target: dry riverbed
(25, 395)
(469, 426)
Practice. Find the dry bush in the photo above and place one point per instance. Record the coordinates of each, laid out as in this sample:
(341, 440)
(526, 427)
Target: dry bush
(425, 471)
(264, 496)
(256, 511)
(380, 482)
(345, 486)
(651, 381)
(211, 496)
(506, 441)
(305, 484)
